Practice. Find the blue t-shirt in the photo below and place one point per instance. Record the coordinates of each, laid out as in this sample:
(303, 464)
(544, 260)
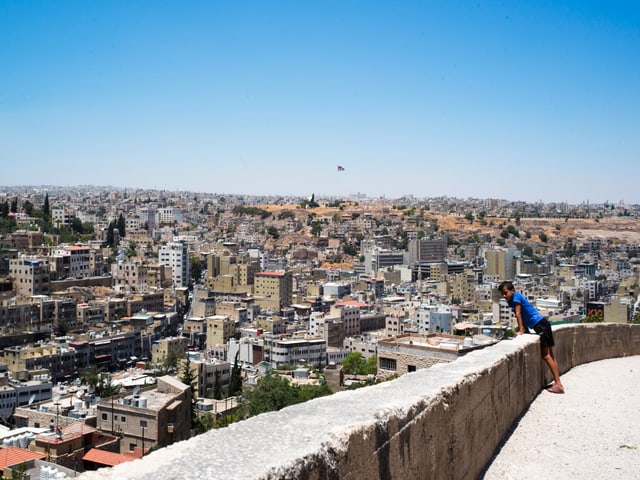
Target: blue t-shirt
(530, 316)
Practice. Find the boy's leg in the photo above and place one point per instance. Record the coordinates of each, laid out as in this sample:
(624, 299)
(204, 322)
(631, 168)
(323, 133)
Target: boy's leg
(547, 355)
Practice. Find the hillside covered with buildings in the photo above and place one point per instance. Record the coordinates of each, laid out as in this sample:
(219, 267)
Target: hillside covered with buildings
(108, 296)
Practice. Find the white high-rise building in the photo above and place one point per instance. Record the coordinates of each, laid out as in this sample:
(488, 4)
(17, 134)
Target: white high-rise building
(176, 256)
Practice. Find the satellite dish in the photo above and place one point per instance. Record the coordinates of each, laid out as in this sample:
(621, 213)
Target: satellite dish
(80, 393)
(31, 399)
(56, 399)
(136, 390)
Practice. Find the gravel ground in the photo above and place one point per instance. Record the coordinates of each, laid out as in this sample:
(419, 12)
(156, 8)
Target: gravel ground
(590, 432)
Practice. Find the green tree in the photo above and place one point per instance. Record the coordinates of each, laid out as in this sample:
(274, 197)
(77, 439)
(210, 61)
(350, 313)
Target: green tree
(543, 237)
(121, 226)
(355, 363)
(217, 391)
(18, 472)
(272, 392)
(235, 379)
(316, 228)
(62, 327)
(349, 249)
(131, 250)
(188, 377)
(28, 207)
(14, 205)
(273, 232)
(196, 267)
(110, 242)
(309, 392)
(76, 225)
(204, 423)
(100, 382)
(46, 209)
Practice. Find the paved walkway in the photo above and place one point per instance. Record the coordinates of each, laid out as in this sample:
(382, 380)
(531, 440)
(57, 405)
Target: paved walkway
(591, 432)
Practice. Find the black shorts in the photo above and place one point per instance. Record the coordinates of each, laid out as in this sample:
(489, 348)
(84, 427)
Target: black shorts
(543, 329)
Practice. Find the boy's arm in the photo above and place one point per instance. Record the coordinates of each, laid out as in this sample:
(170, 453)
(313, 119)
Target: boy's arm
(517, 311)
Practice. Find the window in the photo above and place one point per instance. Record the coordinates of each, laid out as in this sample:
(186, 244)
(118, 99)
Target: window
(123, 419)
(143, 423)
(104, 416)
(388, 364)
(411, 368)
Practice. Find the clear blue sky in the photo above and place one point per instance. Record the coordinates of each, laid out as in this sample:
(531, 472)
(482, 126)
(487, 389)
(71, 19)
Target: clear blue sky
(536, 100)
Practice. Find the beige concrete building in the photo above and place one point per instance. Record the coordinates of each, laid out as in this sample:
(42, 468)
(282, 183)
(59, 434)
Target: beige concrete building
(410, 352)
(30, 275)
(168, 348)
(272, 323)
(79, 265)
(207, 373)
(152, 418)
(129, 277)
(273, 290)
(219, 330)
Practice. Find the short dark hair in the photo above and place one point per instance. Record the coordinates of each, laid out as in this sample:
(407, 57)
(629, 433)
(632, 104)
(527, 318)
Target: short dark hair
(505, 286)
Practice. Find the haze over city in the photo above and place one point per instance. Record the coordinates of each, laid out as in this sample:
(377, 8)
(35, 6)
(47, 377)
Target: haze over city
(516, 101)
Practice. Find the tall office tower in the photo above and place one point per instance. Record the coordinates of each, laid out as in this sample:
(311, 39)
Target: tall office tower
(176, 256)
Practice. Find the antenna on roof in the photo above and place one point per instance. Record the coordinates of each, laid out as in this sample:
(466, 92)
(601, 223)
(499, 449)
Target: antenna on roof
(136, 390)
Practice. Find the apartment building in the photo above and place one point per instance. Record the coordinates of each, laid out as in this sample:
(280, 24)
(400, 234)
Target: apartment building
(219, 330)
(501, 262)
(76, 259)
(62, 216)
(176, 256)
(168, 348)
(129, 276)
(152, 418)
(170, 215)
(273, 290)
(349, 315)
(410, 352)
(212, 375)
(296, 351)
(427, 250)
(57, 361)
(30, 275)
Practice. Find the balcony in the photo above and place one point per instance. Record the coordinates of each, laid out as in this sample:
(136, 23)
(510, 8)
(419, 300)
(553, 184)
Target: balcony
(445, 422)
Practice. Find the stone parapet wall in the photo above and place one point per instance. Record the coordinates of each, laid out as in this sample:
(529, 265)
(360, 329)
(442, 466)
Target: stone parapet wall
(445, 422)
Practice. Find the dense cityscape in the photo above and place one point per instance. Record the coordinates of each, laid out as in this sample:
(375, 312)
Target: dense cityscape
(133, 318)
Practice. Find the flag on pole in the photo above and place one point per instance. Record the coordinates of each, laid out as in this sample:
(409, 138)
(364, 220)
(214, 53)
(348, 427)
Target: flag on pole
(340, 168)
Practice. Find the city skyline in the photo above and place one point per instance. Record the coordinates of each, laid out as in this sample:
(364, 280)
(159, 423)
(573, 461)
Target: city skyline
(521, 102)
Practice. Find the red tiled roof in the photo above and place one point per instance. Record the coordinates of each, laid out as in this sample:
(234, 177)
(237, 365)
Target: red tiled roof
(14, 456)
(106, 458)
(69, 432)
